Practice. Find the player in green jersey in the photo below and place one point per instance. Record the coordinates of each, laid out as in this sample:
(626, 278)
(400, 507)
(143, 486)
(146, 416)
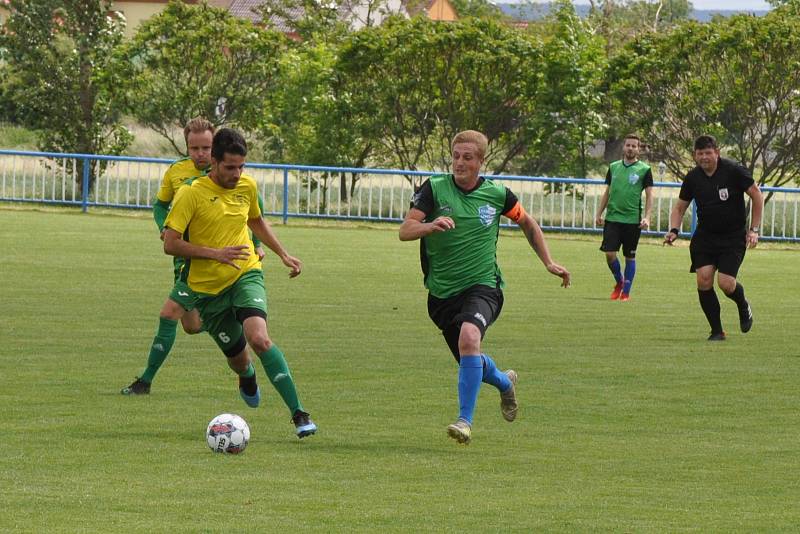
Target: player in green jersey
(457, 218)
(624, 221)
(179, 305)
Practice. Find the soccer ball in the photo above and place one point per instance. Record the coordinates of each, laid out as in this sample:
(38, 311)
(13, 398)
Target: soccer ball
(227, 433)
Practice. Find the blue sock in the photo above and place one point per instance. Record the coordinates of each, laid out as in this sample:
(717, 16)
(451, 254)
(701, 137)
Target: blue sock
(630, 272)
(492, 375)
(470, 374)
(616, 270)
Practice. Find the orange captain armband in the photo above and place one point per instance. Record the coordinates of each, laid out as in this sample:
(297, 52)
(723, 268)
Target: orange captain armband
(516, 213)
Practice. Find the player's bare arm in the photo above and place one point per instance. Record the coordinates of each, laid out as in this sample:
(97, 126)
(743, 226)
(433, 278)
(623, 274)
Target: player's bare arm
(533, 232)
(602, 207)
(755, 217)
(175, 245)
(648, 207)
(263, 231)
(414, 227)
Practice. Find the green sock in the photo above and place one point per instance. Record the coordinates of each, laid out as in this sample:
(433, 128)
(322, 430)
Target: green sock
(247, 373)
(280, 377)
(162, 344)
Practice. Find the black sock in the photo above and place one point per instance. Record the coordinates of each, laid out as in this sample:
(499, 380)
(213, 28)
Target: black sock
(710, 305)
(738, 296)
(248, 384)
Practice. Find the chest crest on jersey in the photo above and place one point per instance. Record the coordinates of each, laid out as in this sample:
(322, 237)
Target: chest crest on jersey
(633, 178)
(723, 193)
(486, 214)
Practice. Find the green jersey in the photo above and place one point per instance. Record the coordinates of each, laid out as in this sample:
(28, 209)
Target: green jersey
(625, 192)
(466, 255)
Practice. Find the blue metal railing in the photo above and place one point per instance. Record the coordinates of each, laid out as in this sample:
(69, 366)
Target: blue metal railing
(341, 193)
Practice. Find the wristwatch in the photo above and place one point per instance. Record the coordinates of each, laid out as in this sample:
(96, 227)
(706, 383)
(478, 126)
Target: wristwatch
(754, 229)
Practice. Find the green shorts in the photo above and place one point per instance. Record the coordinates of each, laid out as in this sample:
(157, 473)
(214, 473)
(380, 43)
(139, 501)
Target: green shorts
(183, 295)
(224, 313)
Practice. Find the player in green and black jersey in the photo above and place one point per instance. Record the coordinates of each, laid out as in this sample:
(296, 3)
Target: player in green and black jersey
(624, 221)
(457, 217)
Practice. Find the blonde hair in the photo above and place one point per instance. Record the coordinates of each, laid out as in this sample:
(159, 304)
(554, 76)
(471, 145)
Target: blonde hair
(472, 136)
(197, 125)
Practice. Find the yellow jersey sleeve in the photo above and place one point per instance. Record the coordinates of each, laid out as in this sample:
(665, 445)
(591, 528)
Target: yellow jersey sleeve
(183, 207)
(174, 179)
(255, 210)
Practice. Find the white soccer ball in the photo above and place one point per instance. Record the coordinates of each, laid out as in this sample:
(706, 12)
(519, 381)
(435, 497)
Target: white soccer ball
(227, 433)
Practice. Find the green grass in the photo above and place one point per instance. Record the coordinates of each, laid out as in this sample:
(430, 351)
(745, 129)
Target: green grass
(630, 420)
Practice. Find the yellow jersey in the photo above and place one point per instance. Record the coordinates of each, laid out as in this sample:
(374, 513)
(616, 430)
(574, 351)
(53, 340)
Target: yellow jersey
(178, 172)
(216, 217)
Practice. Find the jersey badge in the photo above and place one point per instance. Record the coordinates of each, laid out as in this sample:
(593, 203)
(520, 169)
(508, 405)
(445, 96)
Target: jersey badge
(723, 193)
(633, 178)
(487, 213)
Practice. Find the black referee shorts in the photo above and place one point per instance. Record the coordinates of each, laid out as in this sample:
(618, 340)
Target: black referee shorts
(725, 252)
(625, 234)
(479, 305)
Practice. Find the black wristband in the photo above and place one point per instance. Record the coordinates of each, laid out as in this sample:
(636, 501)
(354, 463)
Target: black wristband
(674, 231)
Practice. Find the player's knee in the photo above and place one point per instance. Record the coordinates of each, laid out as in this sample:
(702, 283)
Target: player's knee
(469, 340)
(260, 342)
(191, 322)
(727, 284)
(192, 329)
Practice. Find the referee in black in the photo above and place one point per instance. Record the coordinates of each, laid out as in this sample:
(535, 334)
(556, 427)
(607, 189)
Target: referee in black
(718, 185)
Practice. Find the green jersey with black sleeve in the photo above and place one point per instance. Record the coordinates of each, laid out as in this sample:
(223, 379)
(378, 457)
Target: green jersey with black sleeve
(626, 183)
(466, 255)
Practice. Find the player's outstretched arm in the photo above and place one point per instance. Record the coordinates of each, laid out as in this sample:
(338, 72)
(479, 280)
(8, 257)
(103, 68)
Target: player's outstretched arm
(175, 245)
(533, 232)
(263, 231)
(414, 227)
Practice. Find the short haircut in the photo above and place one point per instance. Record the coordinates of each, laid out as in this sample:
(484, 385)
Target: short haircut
(228, 141)
(472, 136)
(705, 141)
(632, 136)
(197, 125)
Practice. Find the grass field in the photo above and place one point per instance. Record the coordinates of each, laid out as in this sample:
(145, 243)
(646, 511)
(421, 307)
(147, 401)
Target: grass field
(630, 421)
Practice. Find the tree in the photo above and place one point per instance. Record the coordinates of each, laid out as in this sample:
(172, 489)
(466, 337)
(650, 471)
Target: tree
(59, 77)
(415, 83)
(569, 117)
(193, 61)
(735, 78)
(476, 8)
(312, 121)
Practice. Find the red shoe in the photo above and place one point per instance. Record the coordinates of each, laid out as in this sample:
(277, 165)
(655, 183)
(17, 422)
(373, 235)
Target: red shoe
(617, 291)
(625, 297)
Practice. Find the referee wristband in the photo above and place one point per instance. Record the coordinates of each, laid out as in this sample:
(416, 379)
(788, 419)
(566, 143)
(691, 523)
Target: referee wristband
(674, 231)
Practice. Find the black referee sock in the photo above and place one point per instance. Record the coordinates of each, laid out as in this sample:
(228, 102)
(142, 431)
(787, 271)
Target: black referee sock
(738, 296)
(710, 305)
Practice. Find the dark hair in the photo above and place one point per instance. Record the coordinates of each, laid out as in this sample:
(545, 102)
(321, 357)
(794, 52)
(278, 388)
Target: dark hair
(705, 141)
(228, 141)
(632, 136)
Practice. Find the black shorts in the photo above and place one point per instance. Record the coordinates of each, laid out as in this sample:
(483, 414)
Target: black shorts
(725, 252)
(625, 234)
(478, 305)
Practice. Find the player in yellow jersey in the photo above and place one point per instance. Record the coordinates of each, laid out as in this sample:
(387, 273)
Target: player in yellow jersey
(208, 225)
(179, 305)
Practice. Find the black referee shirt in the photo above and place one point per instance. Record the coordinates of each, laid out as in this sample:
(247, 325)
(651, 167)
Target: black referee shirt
(719, 197)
